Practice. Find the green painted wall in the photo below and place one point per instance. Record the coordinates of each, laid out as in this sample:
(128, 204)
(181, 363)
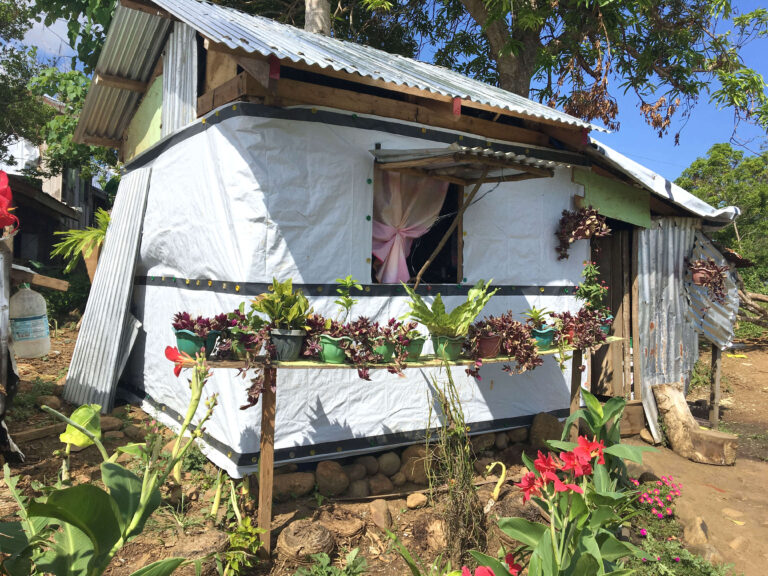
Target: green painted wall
(615, 199)
(145, 127)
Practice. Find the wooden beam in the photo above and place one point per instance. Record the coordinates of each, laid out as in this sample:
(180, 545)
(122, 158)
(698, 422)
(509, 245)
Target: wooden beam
(575, 392)
(120, 83)
(496, 163)
(19, 276)
(267, 458)
(99, 141)
(460, 241)
(146, 7)
(714, 389)
(426, 174)
(626, 311)
(637, 370)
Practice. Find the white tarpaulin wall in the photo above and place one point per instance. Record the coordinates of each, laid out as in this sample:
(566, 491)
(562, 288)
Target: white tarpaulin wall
(249, 198)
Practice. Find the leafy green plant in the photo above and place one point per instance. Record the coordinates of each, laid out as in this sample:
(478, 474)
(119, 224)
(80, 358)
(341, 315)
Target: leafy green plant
(592, 290)
(286, 309)
(77, 242)
(417, 566)
(244, 541)
(584, 513)
(353, 566)
(537, 317)
(345, 301)
(603, 425)
(456, 323)
(77, 530)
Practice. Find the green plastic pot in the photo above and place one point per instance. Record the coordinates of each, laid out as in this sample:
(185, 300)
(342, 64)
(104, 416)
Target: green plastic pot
(414, 348)
(386, 349)
(447, 347)
(331, 351)
(190, 343)
(544, 337)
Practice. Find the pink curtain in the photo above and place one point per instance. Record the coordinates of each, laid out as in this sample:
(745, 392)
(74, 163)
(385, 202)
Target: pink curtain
(404, 208)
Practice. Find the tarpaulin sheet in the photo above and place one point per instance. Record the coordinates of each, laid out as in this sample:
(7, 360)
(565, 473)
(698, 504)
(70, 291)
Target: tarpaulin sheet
(251, 198)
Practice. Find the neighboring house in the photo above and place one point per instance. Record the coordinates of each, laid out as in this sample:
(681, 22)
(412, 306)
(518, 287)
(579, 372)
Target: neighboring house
(254, 149)
(62, 202)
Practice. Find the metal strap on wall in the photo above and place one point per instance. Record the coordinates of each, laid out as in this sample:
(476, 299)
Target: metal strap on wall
(179, 79)
(98, 355)
(668, 339)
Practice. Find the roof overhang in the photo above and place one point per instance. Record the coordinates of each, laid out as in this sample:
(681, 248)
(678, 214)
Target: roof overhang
(467, 166)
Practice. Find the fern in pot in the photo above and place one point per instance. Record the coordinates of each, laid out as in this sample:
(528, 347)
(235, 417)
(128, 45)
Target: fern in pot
(449, 329)
(287, 312)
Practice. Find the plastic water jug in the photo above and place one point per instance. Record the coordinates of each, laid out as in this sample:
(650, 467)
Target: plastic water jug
(29, 324)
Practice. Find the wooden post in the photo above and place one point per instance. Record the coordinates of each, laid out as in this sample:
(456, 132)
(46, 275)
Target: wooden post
(637, 370)
(714, 390)
(626, 289)
(575, 391)
(267, 458)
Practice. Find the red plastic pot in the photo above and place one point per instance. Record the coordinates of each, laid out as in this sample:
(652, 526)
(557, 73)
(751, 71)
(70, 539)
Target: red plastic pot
(488, 346)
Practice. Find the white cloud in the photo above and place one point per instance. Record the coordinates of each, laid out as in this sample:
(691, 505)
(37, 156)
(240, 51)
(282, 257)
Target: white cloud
(51, 41)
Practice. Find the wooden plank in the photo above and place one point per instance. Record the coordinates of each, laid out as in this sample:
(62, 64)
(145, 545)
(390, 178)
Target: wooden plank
(267, 458)
(714, 390)
(111, 81)
(633, 418)
(575, 391)
(460, 240)
(626, 312)
(219, 69)
(637, 370)
(99, 141)
(615, 374)
(426, 173)
(34, 279)
(570, 135)
(146, 7)
(37, 433)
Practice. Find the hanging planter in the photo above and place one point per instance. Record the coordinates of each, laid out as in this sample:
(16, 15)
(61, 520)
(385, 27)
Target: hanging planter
(708, 274)
(580, 224)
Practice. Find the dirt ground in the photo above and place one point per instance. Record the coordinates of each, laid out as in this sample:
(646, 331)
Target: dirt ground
(732, 501)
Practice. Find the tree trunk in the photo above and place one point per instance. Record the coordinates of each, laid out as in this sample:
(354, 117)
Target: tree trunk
(515, 70)
(317, 16)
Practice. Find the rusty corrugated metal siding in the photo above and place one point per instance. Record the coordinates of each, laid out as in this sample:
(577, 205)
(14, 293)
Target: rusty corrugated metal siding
(668, 345)
(712, 320)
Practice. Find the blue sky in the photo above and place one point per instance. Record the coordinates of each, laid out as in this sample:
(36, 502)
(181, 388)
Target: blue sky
(706, 126)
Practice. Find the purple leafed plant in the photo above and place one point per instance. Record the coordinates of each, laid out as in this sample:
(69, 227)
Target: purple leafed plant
(199, 326)
(516, 342)
(711, 276)
(579, 224)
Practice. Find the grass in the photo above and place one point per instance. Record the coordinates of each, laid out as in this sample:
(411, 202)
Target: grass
(23, 406)
(701, 377)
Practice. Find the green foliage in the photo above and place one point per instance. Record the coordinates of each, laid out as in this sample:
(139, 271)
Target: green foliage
(457, 322)
(77, 242)
(21, 114)
(591, 289)
(244, 544)
(194, 459)
(62, 304)
(345, 301)
(417, 566)
(662, 557)
(70, 89)
(77, 530)
(285, 308)
(23, 405)
(603, 425)
(353, 566)
(537, 316)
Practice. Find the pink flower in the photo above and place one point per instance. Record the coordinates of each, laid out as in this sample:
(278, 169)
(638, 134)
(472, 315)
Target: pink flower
(643, 532)
(479, 571)
(661, 515)
(669, 511)
(677, 558)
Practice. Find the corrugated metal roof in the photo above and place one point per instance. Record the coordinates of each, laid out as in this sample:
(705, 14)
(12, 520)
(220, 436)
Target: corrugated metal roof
(662, 187)
(100, 349)
(256, 34)
(179, 79)
(713, 320)
(133, 45)
(464, 153)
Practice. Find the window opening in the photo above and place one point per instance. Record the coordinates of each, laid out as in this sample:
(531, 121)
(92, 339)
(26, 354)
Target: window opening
(411, 215)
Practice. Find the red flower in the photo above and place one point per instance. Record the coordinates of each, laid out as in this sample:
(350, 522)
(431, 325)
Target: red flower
(572, 461)
(586, 450)
(6, 199)
(559, 485)
(179, 359)
(514, 569)
(545, 463)
(530, 484)
(479, 571)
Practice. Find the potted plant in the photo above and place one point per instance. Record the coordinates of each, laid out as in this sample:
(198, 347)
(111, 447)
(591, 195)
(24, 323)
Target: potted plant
(579, 224)
(581, 331)
(448, 330)
(244, 334)
(194, 334)
(496, 336)
(409, 342)
(706, 273)
(484, 339)
(287, 312)
(593, 291)
(542, 332)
